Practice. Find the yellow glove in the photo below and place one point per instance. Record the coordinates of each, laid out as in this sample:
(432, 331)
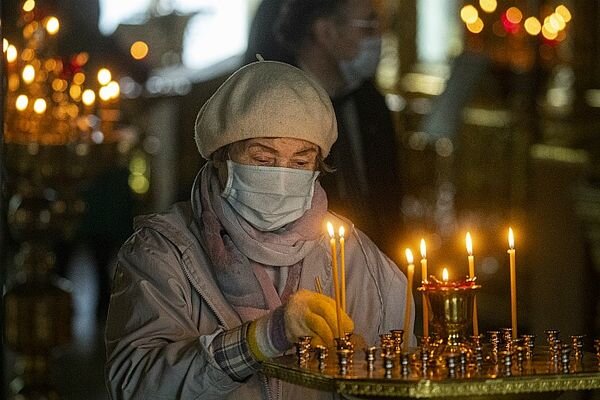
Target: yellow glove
(306, 313)
(312, 314)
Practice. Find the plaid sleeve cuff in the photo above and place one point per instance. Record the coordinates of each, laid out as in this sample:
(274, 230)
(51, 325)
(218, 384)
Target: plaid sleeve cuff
(231, 352)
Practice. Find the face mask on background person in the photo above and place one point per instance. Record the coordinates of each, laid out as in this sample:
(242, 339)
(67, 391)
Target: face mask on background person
(364, 65)
(269, 197)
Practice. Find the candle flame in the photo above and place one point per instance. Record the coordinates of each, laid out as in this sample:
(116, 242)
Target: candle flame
(511, 239)
(469, 243)
(423, 249)
(409, 256)
(341, 231)
(445, 274)
(330, 229)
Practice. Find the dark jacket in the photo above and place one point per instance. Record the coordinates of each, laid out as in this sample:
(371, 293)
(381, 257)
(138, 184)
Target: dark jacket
(376, 211)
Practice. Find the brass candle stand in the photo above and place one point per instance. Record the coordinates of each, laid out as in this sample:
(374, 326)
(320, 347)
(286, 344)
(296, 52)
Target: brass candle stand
(448, 363)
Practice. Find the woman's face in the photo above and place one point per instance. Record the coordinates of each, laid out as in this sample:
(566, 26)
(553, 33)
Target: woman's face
(271, 152)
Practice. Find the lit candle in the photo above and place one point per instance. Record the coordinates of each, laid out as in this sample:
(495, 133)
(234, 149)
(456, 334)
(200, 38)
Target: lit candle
(423, 281)
(445, 275)
(410, 273)
(472, 275)
(513, 282)
(336, 286)
(341, 232)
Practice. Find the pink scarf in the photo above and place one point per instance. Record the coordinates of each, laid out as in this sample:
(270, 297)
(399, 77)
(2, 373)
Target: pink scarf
(239, 252)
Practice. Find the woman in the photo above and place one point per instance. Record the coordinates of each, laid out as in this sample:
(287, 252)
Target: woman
(206, 291)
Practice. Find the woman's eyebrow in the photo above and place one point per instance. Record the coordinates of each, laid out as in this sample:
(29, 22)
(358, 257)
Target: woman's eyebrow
(260, 146)
(267, 148)
(308, 150)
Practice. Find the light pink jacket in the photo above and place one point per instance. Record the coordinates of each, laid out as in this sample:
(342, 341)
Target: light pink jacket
(166, 308)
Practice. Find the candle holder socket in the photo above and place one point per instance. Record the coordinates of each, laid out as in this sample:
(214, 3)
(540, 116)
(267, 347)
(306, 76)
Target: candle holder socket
(451, 313)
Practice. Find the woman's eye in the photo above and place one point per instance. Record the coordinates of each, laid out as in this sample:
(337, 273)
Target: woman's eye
(261, 160)
(302, 164)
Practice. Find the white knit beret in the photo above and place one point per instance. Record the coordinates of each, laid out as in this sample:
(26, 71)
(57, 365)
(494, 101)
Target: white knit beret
(266, 99)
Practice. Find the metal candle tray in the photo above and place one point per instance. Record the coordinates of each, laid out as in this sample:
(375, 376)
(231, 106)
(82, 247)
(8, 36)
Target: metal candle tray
(536, 377)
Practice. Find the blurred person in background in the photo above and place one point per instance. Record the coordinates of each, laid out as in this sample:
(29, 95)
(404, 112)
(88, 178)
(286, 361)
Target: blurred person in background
(338, 43)
(206, 291)
(261, 38)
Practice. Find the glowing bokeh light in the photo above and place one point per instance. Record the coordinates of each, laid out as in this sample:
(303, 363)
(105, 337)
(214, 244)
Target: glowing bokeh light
(514, 15)
(98, 137)
(557, 22)
(104, 76)
(28, 73)
(39, 106)
(29, 29)
(564, 12)
(22, 102)
(508, 19)
(139, 50)
(548, 34)
(139, 184)
(75, 92)
(469, 14)
(29, 5)
(13, 82)
(489, 6)
(82, 58)
(59, 85)
(27, 55)
(52, 25)
(50, 64)
(548, 26)
(114, 89)
(79, 78)
(476, 27)
(11, 53)
(104, 93)
(88, 97)
(4, 45)
(533, 26)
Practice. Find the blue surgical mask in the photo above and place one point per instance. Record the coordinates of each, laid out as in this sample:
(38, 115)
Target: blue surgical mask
(269, 197)
(364, 65)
